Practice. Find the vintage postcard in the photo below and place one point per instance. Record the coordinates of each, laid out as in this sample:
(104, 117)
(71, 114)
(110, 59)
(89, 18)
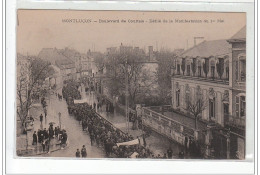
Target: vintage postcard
(131, 84)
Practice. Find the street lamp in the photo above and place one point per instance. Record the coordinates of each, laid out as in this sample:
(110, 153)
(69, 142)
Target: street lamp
(59, 119)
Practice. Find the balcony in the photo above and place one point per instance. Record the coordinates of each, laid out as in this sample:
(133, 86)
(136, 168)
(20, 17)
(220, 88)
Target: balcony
(233, 121)
(203, 79)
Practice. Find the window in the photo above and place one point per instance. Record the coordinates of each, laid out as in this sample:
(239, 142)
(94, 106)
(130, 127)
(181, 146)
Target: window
(212, 108)
(236, 70)
(177, 98)
(226, 108)
(187, 96)
(240, 106)
(178, 69)
(212, 71)
(212, 68)
(188, 70)
(243, 70)
(199, 71)
(227, 73)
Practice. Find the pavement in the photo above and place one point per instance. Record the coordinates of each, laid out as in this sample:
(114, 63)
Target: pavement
(34, 150)
(76, 137)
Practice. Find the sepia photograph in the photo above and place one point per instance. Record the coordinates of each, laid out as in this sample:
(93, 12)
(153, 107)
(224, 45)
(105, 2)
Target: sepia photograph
(130, 84)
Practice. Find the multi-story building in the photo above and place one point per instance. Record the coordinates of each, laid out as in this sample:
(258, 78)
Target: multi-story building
(237, 116)
(214, 71)
(67, 68)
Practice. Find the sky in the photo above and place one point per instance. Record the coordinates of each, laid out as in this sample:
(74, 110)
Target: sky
(37, 29)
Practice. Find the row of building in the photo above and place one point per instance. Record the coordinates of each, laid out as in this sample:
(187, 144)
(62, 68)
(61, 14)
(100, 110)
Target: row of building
(70, 63)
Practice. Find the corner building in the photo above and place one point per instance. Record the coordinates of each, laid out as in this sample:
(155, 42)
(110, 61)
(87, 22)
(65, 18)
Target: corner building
(216, 71)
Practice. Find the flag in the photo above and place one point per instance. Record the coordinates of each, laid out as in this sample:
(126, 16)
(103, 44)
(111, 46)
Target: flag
(132, 142)
(81, 101)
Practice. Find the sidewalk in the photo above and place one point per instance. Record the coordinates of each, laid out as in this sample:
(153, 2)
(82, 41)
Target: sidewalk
(33, 150)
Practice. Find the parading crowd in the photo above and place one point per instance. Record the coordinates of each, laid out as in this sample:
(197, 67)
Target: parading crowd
(103, 134)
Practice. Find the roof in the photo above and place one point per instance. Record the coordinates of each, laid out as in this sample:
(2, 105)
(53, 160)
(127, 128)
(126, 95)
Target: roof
(208, 48)
(70, 53)
(51, 55)
(65, 63)
(240, 35)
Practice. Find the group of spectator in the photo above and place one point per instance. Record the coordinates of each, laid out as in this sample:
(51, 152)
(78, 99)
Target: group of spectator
(44, 137)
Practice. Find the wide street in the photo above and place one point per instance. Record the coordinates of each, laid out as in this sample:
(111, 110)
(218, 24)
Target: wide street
(76, 137)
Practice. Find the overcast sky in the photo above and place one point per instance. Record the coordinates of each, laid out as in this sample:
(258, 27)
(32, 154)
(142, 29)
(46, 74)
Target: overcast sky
(37, 29)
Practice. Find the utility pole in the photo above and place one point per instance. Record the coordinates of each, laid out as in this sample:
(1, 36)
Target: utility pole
(126, 97)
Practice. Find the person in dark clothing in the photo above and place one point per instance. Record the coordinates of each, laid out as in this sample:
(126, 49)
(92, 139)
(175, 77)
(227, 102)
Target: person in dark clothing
(34, 138)
(64, 137)
(51, 132)
(92, 138)
(94, 106)
(186, 143)
(43, 145)
(39, 136)
(169, 153)
(181, 154)
(83, 151)
(45, 133)
(47, 145)
(165, 156)
(78, 153)
(41, 118)
(55, 131)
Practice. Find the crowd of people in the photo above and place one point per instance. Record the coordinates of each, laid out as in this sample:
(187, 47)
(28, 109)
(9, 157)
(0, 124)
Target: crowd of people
(44, 137)
(103, 134)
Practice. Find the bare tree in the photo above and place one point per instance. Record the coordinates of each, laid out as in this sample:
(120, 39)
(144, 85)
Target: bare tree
(30, 79)
(165, 60)
(196, 107)
(130, 64)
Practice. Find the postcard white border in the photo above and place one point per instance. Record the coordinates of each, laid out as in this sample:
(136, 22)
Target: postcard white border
(65, 166)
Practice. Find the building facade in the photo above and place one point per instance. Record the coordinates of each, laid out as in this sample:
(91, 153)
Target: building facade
(214, 72)
(67, 69)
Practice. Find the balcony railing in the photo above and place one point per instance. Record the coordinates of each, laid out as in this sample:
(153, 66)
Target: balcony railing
(204, 79)
(166, 126)
(235, 121)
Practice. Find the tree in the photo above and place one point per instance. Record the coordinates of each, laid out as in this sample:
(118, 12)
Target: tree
(128, 64)
(165, 62)
(220, 67)
(206, 67)
(195, 107)
(30, 79)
